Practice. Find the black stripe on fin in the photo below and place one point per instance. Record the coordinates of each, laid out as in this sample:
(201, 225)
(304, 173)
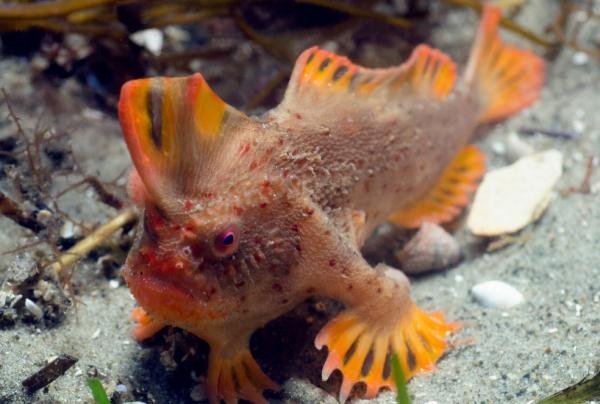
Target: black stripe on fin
(155, 96)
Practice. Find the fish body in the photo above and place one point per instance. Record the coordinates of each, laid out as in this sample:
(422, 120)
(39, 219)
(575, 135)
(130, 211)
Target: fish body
(245, 217)
(376, 156)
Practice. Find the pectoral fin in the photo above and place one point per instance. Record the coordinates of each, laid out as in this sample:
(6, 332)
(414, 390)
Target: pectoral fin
(450, 195)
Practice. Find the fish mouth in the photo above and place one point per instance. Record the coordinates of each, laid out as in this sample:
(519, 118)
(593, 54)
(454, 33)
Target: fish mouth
(167, 297)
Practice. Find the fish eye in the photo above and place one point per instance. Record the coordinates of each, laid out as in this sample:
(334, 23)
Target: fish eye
(226, 241)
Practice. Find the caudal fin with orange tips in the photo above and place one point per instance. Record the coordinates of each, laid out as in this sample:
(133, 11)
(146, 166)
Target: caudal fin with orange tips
(505, 79)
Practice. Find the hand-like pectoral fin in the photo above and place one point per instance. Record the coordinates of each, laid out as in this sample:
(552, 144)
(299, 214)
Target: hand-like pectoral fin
(361, 348)
(234, 375)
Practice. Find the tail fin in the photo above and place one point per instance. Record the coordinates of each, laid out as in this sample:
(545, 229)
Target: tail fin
(505, 79)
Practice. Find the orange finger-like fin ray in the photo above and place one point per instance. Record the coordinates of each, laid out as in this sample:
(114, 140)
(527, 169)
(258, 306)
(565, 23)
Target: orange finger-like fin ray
(505, 79)
(417, 338)
(236, 377)
(453, 191)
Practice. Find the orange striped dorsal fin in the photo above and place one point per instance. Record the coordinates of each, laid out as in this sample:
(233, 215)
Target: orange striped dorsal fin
(172, 125)
(428, 73)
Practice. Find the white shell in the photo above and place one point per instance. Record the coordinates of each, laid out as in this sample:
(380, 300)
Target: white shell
(511, 197)
(34, 309)
(497, 294)
(152, 39)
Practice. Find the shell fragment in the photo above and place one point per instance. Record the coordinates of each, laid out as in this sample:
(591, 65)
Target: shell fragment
(511, 197)
(497, 294)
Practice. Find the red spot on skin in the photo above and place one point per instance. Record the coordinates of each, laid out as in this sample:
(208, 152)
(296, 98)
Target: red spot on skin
(237, 209)
(244, 149)
(295, 228)
(269, 151)
(155, 220)
(297, 115)
(332, 262)
(148, 255)
(265, 188)
(280, 142)
(257, 257)
(253, 165)
(263, 205)
(309, 211)
(187, 205)
(310, 291)
(207, 195)
(277, 287)
(285, 173)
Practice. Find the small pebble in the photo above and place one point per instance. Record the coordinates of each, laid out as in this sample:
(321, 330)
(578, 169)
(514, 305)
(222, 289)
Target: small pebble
(517, 147)
(121, 388)
(3, 298)
(579, 126)
(44, 215)
(35, 310)
(113, 284)
(15, 299)
(177, 34)
(497, 294)
(92, 114)
(580, 58)
(67, 230)
(198, 393)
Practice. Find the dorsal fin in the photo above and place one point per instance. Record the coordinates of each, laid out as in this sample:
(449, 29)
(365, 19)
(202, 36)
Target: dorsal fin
(428, 73)
(172, 126)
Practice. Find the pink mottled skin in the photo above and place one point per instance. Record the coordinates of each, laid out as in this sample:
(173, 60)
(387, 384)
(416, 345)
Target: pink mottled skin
(299, 189)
